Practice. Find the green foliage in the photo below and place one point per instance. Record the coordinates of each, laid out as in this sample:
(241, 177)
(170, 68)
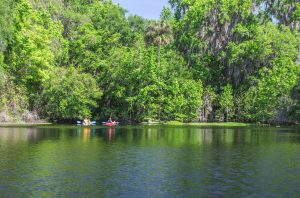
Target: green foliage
(166, 14)
(227, 42)
(209, 99)
(137, 27)
(227, 102)
(3, 77)
(139, 89)
(103, 29)
(30, 54)
(205, 28)
(274, 81)
(295, 109)
(6, 23)
(205, 59)
(13, 99)
(68, 94)
(285, 11)
(273, 85)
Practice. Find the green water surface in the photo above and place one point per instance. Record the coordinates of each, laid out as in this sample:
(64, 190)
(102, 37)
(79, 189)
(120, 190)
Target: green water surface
(149, 161)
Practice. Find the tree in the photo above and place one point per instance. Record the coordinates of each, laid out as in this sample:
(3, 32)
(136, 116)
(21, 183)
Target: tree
(227, 102)
(274, 81)
(97, 36)
(68, 94)
(295, 109)
(271, 95)
(208, 98)
(204, 29)
(287, 12)
(158, 33)
(6, 24)
(31, 52)
(13, 99)
(6, 7)
(137, 26)
(189, 63)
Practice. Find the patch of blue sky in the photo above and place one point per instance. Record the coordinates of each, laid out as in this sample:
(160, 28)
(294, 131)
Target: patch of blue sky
(149, 9)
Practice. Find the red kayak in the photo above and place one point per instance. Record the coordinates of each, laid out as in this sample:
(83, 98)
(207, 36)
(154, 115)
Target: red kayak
(113, 123)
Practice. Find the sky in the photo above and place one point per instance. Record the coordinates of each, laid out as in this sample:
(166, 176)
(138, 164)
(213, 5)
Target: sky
(149, 9)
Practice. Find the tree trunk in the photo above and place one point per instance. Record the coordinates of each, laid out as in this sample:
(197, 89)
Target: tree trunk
(158, 71)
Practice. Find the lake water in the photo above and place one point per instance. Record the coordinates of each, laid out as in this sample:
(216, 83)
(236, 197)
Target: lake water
(149, 161)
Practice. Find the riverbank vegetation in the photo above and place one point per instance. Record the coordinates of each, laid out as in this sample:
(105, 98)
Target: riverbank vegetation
(201, 61)
(221, 124)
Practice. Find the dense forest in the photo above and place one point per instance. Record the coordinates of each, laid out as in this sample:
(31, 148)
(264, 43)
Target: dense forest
(203, 60)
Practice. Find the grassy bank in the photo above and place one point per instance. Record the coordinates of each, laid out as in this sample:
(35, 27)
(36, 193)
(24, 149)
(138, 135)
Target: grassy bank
(23, 124)
(210, 123)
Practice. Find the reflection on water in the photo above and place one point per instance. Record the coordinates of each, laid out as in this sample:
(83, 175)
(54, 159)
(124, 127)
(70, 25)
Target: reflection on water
(169, 135)
(110, 133)
(149, 162)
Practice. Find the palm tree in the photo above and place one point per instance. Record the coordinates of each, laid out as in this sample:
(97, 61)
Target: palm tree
(158, 33)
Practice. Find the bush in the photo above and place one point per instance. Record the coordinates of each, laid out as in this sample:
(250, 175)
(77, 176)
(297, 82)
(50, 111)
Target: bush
(68, 94)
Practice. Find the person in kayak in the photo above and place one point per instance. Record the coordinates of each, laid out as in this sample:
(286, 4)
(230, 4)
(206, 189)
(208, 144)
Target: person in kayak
(86, 122)
(109, 119)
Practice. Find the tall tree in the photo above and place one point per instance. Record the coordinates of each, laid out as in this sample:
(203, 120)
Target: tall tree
(30, 52)
(158, 33)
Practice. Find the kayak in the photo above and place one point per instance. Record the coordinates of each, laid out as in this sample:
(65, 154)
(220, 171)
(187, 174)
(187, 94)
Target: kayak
(151, 123)
(113, 123)
(91, 124)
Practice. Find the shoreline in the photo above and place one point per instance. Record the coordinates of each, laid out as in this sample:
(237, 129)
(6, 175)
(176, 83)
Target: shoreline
(213, 124)
(24, 124)
(226, 124)
(170, 123)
